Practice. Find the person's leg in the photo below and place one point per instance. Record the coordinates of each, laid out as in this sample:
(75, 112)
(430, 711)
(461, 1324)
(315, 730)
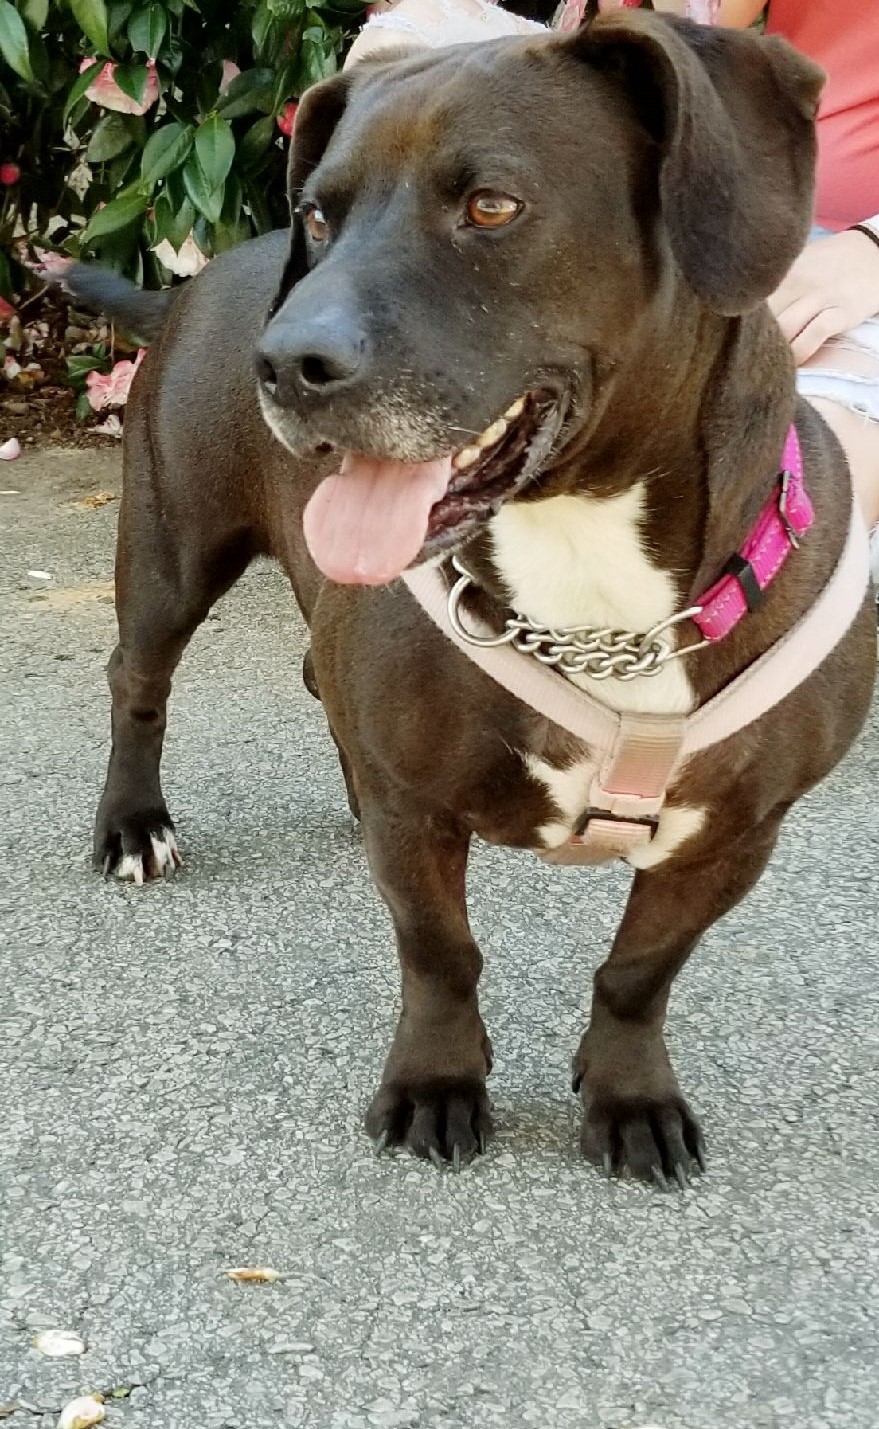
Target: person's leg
(859, 437)
(841, 381)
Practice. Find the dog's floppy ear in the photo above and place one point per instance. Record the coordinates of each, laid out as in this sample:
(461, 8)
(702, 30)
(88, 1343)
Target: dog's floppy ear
(733, 113)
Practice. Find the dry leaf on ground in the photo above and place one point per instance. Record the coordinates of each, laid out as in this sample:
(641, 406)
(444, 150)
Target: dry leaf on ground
(254, 1274)
(97, 499)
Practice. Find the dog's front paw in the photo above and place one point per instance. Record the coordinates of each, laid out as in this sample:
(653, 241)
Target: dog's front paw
(136, 847)
(655, 1139)
(440, 1120)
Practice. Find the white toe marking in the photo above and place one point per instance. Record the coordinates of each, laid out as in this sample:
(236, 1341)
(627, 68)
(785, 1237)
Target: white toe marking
(131, 869)
(166, 855)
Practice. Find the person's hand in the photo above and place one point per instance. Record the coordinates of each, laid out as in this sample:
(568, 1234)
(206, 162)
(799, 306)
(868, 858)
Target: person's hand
(832, 286)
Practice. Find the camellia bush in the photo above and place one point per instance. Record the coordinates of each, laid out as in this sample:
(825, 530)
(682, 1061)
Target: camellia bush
(151, 135)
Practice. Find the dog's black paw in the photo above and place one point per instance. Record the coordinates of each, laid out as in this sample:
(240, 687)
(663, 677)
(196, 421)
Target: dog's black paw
(136, 847)
(653, 1140)
(441, 1121)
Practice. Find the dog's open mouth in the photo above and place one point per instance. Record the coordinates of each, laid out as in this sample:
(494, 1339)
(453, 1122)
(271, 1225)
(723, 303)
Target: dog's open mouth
(375, 516)
(501, 460)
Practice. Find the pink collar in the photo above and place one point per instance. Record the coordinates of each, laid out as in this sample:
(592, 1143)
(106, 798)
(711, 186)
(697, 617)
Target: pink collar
(786, 516)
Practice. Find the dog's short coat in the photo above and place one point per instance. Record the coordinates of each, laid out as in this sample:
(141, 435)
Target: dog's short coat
(663, 175)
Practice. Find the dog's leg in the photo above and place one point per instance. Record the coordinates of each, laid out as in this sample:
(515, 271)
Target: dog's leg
(635, 1118)
(164, 590)
(309, 679)
(432, 1096)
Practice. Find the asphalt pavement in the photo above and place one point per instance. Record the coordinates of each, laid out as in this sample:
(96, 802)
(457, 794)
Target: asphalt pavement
(185, 1069)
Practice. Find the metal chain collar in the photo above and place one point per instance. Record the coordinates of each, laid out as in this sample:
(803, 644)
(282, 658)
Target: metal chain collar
(599, 652)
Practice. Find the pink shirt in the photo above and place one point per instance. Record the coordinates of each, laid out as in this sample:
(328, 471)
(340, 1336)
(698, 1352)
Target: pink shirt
(843, 37)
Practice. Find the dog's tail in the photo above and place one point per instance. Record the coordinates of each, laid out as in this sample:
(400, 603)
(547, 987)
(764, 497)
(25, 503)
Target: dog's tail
(141, 314)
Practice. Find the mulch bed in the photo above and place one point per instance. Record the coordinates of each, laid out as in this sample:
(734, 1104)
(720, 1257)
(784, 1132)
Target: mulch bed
(39, 408)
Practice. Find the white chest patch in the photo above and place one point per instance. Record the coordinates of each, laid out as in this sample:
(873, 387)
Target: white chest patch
(577, 561)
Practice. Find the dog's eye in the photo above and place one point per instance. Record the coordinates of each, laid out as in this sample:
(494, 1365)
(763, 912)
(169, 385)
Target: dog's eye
(487, 209)
(316, 225)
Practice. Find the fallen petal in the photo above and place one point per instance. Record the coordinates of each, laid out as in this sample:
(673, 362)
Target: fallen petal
(254, 1274)
(82, 1413)
(10, 450)
(59, 1342)
(230, 72)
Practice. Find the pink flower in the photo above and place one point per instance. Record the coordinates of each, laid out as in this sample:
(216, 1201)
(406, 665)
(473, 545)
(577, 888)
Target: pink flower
(7, 311)
(287, 117)
(48, 264)
(10, 450)
(230, 71)
(9, 174)
(110, 389)
(105, 91)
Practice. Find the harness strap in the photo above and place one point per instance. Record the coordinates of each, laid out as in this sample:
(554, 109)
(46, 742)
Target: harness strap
(638, 755)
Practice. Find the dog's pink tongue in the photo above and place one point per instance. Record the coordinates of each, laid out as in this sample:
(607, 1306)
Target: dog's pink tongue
(367, 524)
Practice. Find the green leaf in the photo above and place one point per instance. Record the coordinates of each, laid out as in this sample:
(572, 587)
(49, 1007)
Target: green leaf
(121, 211)
(263, 20)
(207, 198)
(285, 86)
(248, 92)
(165, 149)
(34, 13)
(13, 41)
(110, 137)
(175, 226)
(79, 87)
(256, 142)
(82, 363)
(91, 16)
(215, 150)
(229, 235)
(147, 29)
(83, 408)
(117, 19)
(132, 80)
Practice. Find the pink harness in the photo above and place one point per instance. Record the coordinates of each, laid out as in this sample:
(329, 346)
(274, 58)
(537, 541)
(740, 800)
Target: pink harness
(637, 757)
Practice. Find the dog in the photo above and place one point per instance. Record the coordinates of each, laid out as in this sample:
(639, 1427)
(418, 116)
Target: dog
(519, 320)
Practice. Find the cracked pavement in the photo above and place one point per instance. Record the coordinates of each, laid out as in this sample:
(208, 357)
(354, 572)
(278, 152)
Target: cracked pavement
(186, 1068)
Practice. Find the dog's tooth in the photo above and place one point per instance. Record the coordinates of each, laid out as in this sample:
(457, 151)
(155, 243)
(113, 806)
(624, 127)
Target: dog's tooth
(466, 457)
(492, 434)
(516, 410)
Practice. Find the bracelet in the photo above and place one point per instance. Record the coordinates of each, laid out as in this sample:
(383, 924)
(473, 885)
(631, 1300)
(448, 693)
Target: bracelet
(868, 230)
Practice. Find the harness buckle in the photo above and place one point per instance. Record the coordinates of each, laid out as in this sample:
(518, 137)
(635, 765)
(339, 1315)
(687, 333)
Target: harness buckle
(650, 821)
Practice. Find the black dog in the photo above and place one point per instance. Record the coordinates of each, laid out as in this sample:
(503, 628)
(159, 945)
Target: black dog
(522, 308)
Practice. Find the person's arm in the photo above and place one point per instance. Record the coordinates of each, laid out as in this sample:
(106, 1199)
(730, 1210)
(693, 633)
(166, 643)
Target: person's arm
(739, 14)
(832, 287)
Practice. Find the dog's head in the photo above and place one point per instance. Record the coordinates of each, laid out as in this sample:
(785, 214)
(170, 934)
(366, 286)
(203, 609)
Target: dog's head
(483, 238)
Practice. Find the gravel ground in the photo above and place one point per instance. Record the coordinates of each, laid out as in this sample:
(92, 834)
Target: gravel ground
(187, 1067)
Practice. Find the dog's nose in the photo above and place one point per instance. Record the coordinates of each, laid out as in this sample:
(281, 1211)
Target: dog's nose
(315, 359)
